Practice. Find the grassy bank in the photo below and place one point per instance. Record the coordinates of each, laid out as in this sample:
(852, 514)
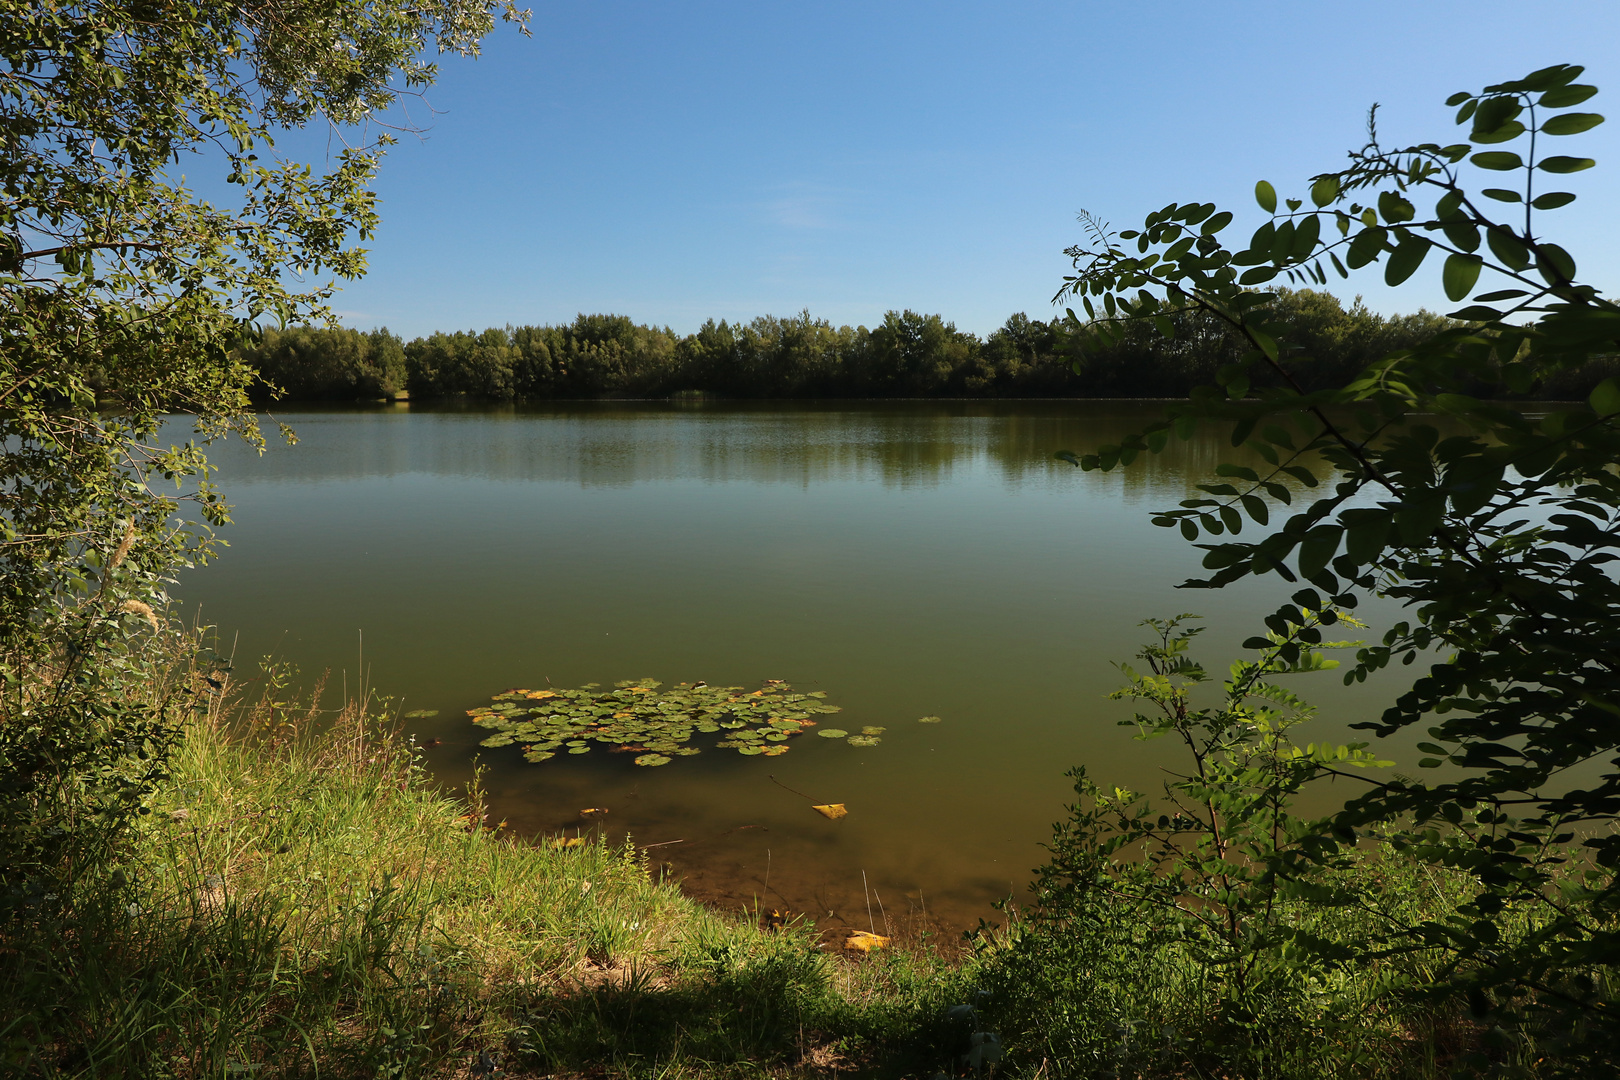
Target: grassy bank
(301, 901)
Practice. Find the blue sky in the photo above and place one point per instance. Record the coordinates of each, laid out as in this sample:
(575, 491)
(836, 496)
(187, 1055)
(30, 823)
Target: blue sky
(680, 161)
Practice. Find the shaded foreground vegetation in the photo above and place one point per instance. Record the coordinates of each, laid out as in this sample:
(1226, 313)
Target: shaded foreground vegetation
(908, 355)
(301, 901)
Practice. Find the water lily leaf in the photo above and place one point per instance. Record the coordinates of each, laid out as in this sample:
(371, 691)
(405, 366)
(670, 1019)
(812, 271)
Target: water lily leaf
(652, 759)
(421, 714)
(863, 740)
(928, 720)
(636, 717)
(873, 729)
(831, 811)
(832, 733)
(861, 941)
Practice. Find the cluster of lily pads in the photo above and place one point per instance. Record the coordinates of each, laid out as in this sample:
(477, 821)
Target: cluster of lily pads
(634, 717)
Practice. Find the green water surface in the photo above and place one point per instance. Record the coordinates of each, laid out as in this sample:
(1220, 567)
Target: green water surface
(908, 558)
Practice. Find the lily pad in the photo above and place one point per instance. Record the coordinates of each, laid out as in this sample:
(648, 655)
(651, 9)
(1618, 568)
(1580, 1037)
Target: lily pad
(641, 717)
(928, 720)
(863, 740)
(873, 729)
(421, 714)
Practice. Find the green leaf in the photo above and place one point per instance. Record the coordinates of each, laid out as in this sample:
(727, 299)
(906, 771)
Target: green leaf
(1460, 274)
(1605, 398)
(1500, 160)
(1565, 96)
(1553, 263)
(1406, 258)
(1266, 196)
(1504, 133)
(1216, 223)
(1317, 549)
(1552, 200)
(1509, 248)
(1419, 515)
(1558, 163)
(1570, 123)
(1502, 194)
(1325, 190)
(1464, 234)
(1395, 208)
(1366, 534)
(1366, 246)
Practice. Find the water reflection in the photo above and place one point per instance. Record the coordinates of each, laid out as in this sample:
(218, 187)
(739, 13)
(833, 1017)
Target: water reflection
(613, 444)
(910, 558)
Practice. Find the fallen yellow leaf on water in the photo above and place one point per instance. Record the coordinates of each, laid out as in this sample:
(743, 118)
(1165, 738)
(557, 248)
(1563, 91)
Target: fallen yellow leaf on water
(592, 811)
(861, 941)
(832, 811)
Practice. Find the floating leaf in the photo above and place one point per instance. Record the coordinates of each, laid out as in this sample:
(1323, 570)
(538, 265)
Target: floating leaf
(863, 740)
(636, 717)
(421, 714)
(873, 729)
(861, 941)
(593, 811)
(928, 720)
(833, 733)
(831, 811)
(652, 759)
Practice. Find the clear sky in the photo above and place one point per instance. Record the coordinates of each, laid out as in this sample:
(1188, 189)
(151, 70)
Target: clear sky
(678, 161)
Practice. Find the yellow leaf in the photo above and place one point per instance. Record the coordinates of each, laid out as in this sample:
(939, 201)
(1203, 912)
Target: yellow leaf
(832, 811)
(861, 941)
(566, 842)
(592, 811)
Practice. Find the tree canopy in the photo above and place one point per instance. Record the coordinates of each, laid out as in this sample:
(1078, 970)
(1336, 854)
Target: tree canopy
(124, 293)
(1495, 528)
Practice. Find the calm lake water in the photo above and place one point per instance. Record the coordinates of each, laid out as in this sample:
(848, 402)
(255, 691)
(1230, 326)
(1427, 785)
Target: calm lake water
(910, 559)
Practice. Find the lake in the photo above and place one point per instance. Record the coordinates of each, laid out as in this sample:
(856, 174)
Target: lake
(908, 558)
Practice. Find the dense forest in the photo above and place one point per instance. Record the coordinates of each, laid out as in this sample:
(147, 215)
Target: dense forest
(907, 355)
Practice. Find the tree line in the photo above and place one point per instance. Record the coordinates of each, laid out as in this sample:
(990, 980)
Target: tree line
(907, 355)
